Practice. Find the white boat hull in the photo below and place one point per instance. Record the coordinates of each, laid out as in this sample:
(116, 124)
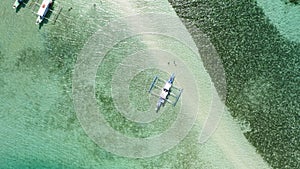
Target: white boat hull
(43, 11)
(16, 4)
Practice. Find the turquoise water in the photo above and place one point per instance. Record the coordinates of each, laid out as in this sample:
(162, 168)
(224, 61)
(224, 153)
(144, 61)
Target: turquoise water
(286, 18)
(39, 127)
(38, 123)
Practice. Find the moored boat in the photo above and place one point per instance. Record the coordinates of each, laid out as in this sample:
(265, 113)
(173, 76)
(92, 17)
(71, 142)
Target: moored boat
(43, 11)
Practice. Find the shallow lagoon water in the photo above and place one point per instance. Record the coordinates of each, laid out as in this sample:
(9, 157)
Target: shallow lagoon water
(285, 16)
(38, 120)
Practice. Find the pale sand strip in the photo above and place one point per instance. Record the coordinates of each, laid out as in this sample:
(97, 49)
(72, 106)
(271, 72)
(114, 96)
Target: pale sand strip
(228, 136)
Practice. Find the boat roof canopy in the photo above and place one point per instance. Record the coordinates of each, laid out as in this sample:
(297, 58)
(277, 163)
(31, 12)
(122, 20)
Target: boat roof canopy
(43, 8)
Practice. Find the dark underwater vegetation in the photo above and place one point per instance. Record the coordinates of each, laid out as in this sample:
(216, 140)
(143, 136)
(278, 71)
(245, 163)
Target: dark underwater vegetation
(262, 73)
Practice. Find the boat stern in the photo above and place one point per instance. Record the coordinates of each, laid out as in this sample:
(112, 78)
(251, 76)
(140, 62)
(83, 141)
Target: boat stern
(16, 4)
(39, 20)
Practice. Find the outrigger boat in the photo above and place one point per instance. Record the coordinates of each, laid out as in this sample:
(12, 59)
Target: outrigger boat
(17, 3)
(43, 11)
(166, 92)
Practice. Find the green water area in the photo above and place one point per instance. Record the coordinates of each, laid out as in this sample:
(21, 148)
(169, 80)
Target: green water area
(74, 90)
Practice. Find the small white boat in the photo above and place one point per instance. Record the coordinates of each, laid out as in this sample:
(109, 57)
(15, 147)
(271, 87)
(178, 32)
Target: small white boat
(17, 3)
(43, 11)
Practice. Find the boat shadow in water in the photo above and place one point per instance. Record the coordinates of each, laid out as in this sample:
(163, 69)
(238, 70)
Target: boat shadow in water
(22, 5)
